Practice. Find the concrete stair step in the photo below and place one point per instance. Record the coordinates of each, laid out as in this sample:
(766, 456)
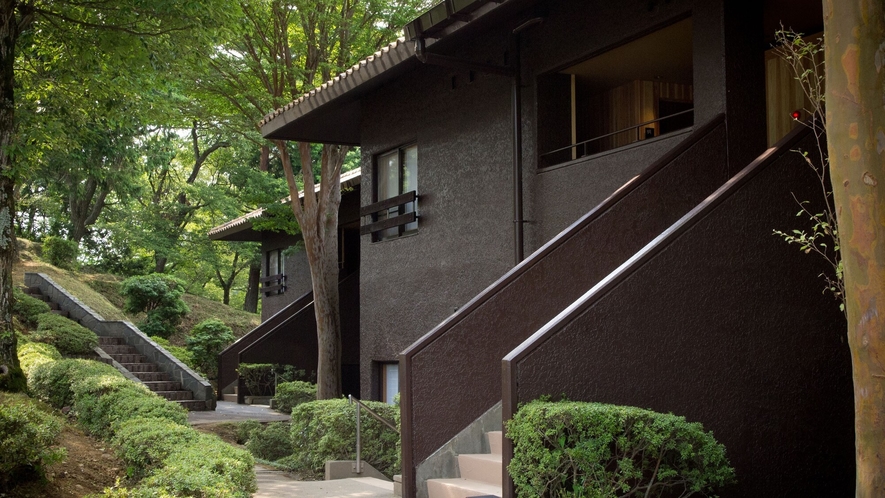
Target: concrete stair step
(192, 405)
(460, 488)
(230, 397)
(495, 441)
(128, 358)
(113, 349)
(151, 376)
(139, 367)
(162, 385)
(110, 341)
(53, 306)
(485, 467)
(175, 395)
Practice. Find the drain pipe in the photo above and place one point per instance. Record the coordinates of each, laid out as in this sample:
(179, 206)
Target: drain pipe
(513, 71)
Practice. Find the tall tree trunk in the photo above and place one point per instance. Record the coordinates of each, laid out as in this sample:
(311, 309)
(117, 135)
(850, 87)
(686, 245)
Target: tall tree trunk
(11, 376)
(250, 304)
(855, 54)
(160, 263)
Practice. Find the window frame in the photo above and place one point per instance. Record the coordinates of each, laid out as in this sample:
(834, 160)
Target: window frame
(402, 169)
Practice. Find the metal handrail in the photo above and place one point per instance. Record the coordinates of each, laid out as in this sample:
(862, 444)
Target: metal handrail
(358, 403)
(585, 142)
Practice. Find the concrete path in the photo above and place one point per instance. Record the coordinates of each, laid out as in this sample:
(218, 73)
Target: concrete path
(228, 411)
(275, 484)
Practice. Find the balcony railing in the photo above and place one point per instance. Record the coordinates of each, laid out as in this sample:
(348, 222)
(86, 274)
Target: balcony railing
(379, 213)
(273, 284)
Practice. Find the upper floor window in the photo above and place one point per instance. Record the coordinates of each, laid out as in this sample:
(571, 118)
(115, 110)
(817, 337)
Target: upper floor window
(274, 278)
(393, 212)
(636, 91)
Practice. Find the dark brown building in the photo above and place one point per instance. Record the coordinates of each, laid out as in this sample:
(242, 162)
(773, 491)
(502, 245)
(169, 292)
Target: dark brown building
(577, 197)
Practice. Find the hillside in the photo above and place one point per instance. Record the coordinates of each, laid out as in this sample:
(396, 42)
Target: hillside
(101, 292)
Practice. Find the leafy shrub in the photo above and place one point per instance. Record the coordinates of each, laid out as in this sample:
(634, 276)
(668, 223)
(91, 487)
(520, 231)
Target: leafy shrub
(60, 252)
(207, 467)
(270, 442)
(32, 354)
(27, 308)
(596, 450)
(102, 406)
(27, 433)
(260, 378)
(179, 352)
(245, 430)
(207, 339)
(291, 394)
(66, 335)
(326, 430)
(52, 382)
(159, 296)
(143, 443)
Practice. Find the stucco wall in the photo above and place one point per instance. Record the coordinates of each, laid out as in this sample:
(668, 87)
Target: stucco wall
(297, 273)
(464, 136)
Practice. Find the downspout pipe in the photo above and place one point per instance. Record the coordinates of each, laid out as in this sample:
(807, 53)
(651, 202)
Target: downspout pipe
(516, 111)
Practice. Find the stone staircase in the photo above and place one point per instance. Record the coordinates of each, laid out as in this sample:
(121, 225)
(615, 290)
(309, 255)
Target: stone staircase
(53, 307)
(481, 474)
(149, 373)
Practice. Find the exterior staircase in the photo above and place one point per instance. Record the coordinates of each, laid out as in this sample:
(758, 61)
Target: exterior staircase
(53, 307)
(149, 373)
(126, 356)
(481, 474)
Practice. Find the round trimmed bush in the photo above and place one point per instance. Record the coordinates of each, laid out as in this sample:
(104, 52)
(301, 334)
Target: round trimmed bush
(325, 430)
(159, 296)
(144, 442)
(66, 335)
(27, 433)
(52, 382)
(27, 308)
(591, 449)
(207, 339)
(270, 442)
(61, 252)
(291, 394)
(32, 354)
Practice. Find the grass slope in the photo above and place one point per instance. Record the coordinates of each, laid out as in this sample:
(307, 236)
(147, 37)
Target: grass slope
(101, 292)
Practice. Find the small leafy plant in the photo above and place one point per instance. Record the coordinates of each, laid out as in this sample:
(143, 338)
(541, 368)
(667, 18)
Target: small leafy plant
(61, 252)
(207, 339)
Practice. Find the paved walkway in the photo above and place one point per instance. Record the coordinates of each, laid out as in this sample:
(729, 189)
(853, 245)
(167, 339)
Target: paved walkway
(276, 484)
(228, 411)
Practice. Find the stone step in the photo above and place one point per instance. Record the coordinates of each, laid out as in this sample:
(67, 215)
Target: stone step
(175, 395)
(485, 467)
(110, 341)
(151, 376)
(495, 441)
(54, 306)
(127, 358)
(460, 488)
(60, 313)
(41, 297)
(139, 367)
(32, 290)
(112, 349)
(162, 385)
(230, 397)
(192, 405)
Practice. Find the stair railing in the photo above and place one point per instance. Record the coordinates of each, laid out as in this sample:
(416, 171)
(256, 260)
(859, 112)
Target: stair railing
(358, 403)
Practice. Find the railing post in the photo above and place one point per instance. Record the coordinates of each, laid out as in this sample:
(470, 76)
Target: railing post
(359, 469)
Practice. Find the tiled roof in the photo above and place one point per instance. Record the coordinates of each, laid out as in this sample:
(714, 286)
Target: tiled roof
(348, 179)
(338, 80)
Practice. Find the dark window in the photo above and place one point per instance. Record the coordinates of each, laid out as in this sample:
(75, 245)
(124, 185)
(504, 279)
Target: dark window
(396, 173)
(274, 263)
(638, 90)
(274, 278)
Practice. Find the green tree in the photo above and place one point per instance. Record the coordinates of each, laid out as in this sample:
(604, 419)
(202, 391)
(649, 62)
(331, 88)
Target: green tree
(854, 44)
(152, 36)
(283, 49)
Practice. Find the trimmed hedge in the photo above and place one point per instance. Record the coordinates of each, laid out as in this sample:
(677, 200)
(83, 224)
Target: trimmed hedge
(325, 430)
(66, 335)
(52, 381)
(145, 442)
(27, 308)
(596, 450)
(27, 433)
(34, 354)
(270, 442)
(291, 394)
